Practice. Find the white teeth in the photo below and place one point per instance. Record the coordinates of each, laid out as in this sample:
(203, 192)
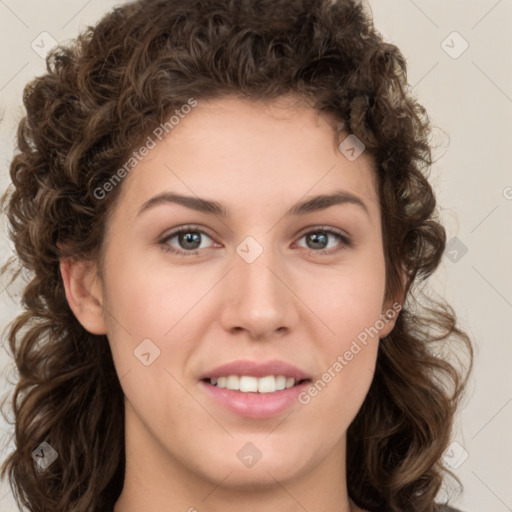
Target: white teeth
(267, 384)
(290, 381)
(249, 384)
(233, 382)
(280, 382)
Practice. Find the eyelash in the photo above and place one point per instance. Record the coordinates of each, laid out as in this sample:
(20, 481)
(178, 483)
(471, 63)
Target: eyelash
(187, 229)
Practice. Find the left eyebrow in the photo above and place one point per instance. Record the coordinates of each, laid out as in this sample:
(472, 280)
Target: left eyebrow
(325, 201)
(313, 204)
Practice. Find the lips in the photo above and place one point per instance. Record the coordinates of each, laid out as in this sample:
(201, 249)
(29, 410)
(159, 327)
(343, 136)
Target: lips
(252, 401)
(258, 406)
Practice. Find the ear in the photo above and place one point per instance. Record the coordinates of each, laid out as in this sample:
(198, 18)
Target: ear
(83, 293)
(391, 308)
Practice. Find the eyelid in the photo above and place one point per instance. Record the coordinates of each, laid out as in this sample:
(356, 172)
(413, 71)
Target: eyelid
(185, 228)
(345, 238)
(301, 233)
(330, 229)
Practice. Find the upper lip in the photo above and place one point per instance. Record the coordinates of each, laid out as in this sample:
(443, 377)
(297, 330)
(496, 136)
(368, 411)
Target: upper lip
(256, 369)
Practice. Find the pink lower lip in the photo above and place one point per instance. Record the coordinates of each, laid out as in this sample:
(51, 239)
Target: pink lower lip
(255, 405)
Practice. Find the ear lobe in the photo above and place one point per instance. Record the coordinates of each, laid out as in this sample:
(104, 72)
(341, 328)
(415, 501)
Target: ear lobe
(388, 318)
(391, 310)
(83, 293)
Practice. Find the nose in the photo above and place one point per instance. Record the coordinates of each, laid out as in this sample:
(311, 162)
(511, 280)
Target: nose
(259, 299)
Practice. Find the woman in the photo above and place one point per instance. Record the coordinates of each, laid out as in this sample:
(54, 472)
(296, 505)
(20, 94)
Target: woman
(225, 211)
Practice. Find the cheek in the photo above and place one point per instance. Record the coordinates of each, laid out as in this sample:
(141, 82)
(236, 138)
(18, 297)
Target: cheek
(348, 351)
(149, 302)
(160, 305)
(350, 299)
(350, 303)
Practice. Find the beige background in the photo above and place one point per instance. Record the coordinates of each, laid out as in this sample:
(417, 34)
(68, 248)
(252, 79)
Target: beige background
(468, 95)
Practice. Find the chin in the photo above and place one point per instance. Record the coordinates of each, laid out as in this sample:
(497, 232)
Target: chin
(260, 476)
(268, 464)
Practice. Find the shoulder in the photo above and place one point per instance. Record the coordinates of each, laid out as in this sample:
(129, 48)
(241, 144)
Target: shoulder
(440, 508)
(446, 508)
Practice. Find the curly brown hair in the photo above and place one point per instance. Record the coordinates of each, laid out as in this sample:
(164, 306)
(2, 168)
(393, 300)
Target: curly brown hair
(102, 94)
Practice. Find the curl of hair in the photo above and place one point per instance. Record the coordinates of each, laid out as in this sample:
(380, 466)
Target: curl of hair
(101, 96)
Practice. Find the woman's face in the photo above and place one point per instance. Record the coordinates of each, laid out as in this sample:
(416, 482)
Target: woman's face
(261, 284)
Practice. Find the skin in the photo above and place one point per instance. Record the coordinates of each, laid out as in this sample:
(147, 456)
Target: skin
(257, 159)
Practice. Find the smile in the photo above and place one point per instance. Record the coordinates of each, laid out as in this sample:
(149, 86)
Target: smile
(250, 384)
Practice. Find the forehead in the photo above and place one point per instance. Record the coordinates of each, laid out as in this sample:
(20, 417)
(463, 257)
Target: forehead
(241, 151)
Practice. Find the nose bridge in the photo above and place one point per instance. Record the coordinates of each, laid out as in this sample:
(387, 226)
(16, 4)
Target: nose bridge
(255, 261)
(262, 302)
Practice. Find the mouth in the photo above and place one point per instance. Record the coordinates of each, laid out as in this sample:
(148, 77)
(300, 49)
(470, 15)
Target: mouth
(255, 389)
(255, 385)
(255, 398)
